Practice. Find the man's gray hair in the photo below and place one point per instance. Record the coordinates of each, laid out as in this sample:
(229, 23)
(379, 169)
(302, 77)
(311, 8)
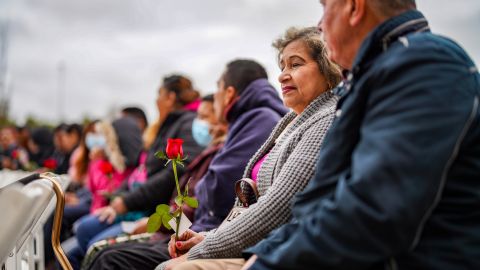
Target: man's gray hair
(392, 7)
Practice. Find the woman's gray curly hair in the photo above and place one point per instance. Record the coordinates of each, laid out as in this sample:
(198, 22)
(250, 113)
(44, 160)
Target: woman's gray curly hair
(312, 37)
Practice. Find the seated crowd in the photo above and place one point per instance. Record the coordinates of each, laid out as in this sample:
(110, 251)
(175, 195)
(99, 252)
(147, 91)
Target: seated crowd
(369, 159)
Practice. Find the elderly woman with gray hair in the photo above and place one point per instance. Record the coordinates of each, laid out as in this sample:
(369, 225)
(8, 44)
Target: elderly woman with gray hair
(284, 164)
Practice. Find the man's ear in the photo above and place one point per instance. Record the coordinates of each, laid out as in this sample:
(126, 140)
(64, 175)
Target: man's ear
(357, 11)
(230, 95)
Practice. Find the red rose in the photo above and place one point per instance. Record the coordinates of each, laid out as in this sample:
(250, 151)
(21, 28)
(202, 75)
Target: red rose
(106, 167)
(50, 164)
(174, 148)
(15, 154)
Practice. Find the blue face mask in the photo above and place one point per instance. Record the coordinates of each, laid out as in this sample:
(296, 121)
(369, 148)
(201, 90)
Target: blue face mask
(200, 132)
(93, 140)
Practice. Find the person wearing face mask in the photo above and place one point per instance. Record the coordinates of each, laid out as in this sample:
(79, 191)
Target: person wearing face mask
(205, 119)
(174, 121)
(95, 141)
(103, 159)
(207, 131)
(110, 163)
(216, 135)
(200, 132)
(283, 166)
(80, 158)
(245, 100)
(108, 166)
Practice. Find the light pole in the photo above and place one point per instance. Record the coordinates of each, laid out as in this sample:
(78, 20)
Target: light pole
(4, 91)
(61, 89)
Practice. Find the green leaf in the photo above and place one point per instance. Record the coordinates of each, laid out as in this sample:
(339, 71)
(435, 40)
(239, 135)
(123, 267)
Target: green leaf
(192, 202)
(162, 209)
(154, 223)
(165, 219)
(179, 200)
(161, 155)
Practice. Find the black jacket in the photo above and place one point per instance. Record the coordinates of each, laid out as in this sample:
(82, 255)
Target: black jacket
(160, 183)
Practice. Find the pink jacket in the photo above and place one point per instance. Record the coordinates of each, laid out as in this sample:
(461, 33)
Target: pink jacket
(101, 184)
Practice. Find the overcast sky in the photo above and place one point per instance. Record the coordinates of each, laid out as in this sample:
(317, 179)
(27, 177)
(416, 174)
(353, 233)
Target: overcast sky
(115, 52)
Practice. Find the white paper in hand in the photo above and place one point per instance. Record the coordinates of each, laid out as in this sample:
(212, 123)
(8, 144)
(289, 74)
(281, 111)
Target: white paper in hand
(128, 226)
(185, 224)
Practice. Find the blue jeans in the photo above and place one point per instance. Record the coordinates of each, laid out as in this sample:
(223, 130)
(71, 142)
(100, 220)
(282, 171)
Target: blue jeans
(91, 230)
(70, 215)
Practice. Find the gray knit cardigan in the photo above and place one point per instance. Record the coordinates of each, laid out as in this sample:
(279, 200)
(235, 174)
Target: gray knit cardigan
(289, 166)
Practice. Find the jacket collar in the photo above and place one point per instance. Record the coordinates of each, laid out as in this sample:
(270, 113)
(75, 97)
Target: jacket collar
(174, 116)
(388, 32)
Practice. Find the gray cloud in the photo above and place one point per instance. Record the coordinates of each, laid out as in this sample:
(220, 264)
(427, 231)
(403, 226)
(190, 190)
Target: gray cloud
(116, 52)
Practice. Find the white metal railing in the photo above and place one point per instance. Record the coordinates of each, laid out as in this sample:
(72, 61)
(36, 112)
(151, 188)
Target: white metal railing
(24, 211)
(8, 176)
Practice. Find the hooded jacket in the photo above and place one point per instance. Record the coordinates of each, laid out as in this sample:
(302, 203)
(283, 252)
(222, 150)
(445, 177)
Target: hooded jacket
(121, 134)
(251, 120)
(43, 138)
(130, 139)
